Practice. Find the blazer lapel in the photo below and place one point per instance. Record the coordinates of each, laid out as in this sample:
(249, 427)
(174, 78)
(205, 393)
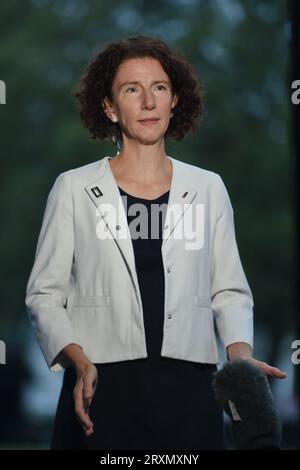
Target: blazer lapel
(180, 198)
(104, 193)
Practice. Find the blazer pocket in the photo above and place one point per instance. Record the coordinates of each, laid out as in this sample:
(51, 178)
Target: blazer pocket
(202, 301)
(91, 301)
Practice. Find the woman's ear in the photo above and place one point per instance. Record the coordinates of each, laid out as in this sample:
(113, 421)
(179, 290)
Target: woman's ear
(174, 101)
(108, 109)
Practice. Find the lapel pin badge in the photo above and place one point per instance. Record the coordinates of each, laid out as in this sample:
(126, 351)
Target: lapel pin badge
(96, 191)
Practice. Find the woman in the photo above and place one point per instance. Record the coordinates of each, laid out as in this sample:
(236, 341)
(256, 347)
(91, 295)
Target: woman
(130, 317)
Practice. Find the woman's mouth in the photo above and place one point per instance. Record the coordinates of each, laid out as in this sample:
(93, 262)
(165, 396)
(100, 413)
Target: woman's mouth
(149, 122)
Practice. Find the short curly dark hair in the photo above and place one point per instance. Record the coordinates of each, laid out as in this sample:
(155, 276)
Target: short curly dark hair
(96, 84)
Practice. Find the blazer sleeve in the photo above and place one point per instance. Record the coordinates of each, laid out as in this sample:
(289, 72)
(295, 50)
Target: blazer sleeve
(232, 300)
(47, 287)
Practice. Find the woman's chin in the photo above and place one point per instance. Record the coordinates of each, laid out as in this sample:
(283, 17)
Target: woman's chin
(149, 140)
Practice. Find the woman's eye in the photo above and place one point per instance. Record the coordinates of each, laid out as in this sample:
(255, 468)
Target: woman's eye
(131, 88)
(162, 86)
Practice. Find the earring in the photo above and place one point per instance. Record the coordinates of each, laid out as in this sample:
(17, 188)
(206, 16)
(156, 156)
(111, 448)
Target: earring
(116, 142)
(171, 114)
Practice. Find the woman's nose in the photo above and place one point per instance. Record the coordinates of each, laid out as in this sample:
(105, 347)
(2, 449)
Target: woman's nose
(148, 100)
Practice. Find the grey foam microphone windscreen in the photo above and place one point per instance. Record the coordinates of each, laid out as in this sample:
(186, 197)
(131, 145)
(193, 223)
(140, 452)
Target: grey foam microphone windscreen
(243, 391)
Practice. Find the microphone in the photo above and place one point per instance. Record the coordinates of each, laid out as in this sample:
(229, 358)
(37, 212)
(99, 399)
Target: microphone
(243, 391)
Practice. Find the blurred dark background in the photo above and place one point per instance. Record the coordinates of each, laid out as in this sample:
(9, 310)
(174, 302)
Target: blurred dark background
(245, 53)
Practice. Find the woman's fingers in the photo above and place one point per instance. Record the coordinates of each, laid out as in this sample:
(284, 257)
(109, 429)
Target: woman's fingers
(84, 391)
(267, 369)
(80, 410)
(275, 372)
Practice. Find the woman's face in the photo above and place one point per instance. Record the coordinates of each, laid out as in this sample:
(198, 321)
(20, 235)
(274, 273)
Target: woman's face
(141, 90)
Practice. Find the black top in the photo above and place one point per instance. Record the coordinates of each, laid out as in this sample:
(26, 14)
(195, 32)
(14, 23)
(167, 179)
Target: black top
(148, 260)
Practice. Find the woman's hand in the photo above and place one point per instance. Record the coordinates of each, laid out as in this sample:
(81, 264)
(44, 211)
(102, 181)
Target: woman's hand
(244, 351)
(83, 393)
(267, 369)
(86, 382)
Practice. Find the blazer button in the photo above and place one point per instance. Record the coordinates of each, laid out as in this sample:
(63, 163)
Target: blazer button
(169, 315)
(118, 227)
(169, 270)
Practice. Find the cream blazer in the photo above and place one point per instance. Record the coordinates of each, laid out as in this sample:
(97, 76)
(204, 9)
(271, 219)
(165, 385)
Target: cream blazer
(83, 287)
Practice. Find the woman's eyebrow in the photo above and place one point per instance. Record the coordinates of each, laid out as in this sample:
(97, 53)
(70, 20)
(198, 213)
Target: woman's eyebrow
(136, 82)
